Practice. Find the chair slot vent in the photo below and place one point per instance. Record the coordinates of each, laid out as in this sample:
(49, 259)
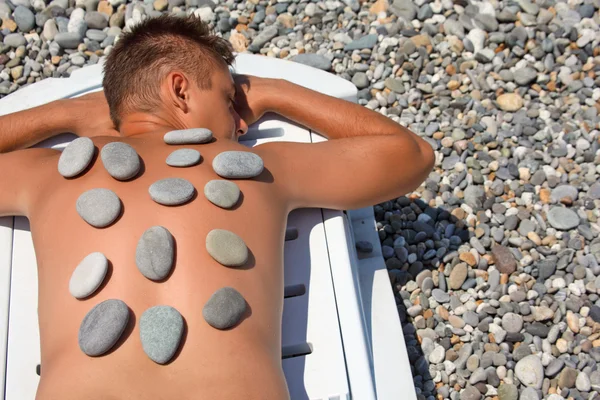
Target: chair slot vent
(291, 233)
(296, 350)
(294, 290)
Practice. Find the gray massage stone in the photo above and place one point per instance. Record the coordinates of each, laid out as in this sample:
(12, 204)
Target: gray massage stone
(99, 207)
(76, 157)
(154, 253)
(226, 248)
(224, 309)
(103, 326)
(120, 160)
(161, 328)
(88, 275)
(183, 158)
(171, 191)
(238, 164)
(222, 193)
(189, 136)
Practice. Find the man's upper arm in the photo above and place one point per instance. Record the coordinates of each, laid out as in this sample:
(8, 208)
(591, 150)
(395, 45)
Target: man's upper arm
(20, 172)
(348, 173)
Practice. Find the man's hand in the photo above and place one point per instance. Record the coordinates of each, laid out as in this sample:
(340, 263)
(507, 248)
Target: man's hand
(92, 116)
(252, 97)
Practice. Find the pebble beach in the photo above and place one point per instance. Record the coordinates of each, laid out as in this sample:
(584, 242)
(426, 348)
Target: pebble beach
(494, 260)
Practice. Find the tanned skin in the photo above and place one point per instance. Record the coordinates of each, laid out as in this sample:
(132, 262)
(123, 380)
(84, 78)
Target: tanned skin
(368, 159)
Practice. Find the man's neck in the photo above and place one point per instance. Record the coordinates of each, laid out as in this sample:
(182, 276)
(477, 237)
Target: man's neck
(136, 124)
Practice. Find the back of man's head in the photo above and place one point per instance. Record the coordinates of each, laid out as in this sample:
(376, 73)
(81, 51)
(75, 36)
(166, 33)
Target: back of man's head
(143, 57)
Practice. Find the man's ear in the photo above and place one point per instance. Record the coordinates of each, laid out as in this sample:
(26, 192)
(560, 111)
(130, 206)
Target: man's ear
(178, 87)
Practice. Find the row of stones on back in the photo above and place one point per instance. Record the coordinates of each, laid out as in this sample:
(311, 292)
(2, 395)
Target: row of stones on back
(161, 327)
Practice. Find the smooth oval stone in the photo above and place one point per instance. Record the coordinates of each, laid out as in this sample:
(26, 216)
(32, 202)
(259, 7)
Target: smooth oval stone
(76, 157)
(183, 158)
(154, 253)
(224, 309)
(171, 191)
(189, 136)
(161, 328)
(120, 160)
(226, 248)
(238, 164)
(88, 275)
(99, 207)
(103, 326)
(222, 193)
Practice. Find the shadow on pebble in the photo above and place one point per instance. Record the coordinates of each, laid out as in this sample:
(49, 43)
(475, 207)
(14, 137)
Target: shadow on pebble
(419, 242)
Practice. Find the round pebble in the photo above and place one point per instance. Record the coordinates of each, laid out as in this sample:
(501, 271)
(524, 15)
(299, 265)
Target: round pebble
(226, 248)
(172, 191)
(188, 136)
(224, 194)
(88, 276)
(99, 207)
(530, 371)
(161, 329)
(183, 158)
(563, 218)
(224, 309)
(120, 160)
(76, 157)
(102, 327)
(238, 164)
(155, 253)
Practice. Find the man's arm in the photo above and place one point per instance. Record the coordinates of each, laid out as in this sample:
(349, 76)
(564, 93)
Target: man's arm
(21, 174)
(85, 116)
(368, 159)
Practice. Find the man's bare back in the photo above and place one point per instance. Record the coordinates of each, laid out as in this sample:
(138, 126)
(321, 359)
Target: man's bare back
(368, 159)
(250, 353)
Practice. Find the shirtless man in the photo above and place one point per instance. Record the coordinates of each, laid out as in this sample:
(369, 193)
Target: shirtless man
(167, 75)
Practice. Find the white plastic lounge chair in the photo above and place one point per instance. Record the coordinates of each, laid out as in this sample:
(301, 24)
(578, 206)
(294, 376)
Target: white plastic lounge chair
(342, 338)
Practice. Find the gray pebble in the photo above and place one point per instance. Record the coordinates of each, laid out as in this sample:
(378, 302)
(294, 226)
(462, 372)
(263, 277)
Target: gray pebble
(171, 191)
(530, 371)
(161, 329)
(512, 322)
(238, 164)
(155, 253)
(313, 60)
(529, 394)
(508, 392)
(222, 193)
(15, 40)
(76, 157)
(102, 327)
(68, 40)
(120, 160)
(224, 309)
(226, 248)
(88, 276)
(440, 296)
(183, 158)
(562, 218)
(24, 18)
(189, 136)
(99, 207)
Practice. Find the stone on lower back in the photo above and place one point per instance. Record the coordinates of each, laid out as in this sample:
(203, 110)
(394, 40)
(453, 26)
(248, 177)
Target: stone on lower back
(88, 275)
(102, 327)
(222, 193)
(76, 157)
(183, 158)
(155, 252)
(171, 191)
(238, 164)
(120, 160)
(161, 328)
(189, 136)
(99, 207)
(226, 248)
(224, 309)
